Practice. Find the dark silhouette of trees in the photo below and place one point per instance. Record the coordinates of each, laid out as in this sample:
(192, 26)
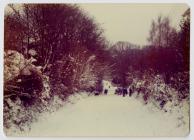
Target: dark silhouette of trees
(123, 54)
(64, 38)
(184, 45)
(167, 52)
(162, 34)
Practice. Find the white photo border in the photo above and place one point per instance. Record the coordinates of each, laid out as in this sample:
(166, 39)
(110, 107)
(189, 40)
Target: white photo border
(190, 3)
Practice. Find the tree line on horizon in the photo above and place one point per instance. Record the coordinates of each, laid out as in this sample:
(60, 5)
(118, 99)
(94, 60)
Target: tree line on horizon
(167, 52)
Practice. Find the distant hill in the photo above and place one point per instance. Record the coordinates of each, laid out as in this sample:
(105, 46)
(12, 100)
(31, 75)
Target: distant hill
(123, 45)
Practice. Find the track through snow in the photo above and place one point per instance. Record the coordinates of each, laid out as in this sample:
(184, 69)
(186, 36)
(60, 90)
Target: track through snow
(109, 115)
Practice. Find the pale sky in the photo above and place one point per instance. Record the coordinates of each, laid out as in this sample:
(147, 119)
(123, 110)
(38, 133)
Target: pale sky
(131, 22)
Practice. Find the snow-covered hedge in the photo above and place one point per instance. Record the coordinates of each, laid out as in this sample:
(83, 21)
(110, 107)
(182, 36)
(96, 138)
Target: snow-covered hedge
(26, 90)
(151, 87)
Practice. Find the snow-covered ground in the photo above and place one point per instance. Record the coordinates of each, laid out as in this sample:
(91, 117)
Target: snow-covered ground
(108, 115)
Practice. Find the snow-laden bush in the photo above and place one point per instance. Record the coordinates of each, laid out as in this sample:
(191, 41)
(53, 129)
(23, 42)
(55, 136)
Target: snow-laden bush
(88, 77)
(160, 93)
(14, 62)
(46, 93)
(180, 82)
(26, 90)
(21, 77)
(77, 71)
(16, 117)
(85, 69)
(151, 87)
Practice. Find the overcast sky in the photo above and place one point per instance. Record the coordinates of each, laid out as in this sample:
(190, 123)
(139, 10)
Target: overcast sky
(131, 22)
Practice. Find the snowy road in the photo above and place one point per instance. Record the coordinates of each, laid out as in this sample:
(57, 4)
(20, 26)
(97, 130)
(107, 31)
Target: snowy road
(107, 116)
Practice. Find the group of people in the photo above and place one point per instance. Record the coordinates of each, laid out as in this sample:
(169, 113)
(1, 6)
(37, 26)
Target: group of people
(123, 91)
(147, 89)
(139, 89)
(131, 90)
(126, 91)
